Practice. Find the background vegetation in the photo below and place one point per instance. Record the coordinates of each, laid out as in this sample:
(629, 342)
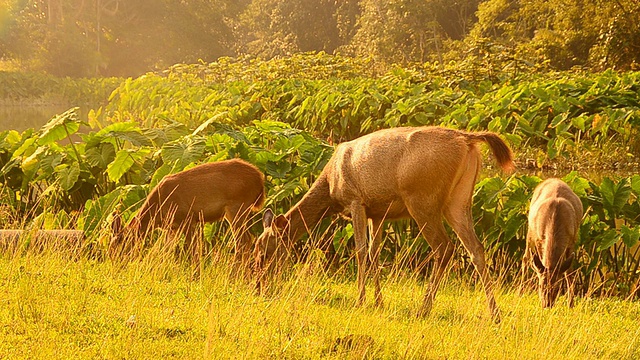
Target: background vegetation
(128, 38)
(581, 126)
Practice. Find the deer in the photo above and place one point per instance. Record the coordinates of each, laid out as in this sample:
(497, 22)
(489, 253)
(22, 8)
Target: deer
(210, 192)
(424, 173)
(555, 215)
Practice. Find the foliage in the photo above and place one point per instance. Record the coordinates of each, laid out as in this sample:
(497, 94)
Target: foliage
(129, 38)
(270, 28)
(336, 97)
(116, 38)
(565, 33)
(17, 87)
(111, 165)
(418, 31)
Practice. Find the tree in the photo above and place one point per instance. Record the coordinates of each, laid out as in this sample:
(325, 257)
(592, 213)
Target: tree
(404, 31)
(118, 37)
(282, 27)
(565, 33)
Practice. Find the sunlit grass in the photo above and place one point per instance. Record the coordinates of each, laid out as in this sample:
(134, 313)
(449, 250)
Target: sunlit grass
(54, 305)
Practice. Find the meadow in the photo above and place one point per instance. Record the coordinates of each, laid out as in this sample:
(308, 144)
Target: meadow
(57, 305)
(284, 116)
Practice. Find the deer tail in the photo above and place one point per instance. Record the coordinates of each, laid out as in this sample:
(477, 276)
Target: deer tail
(499, 147)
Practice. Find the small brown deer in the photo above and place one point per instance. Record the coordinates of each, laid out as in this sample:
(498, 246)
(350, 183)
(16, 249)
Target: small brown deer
(209, 192)
(555, 215)
(425, 173)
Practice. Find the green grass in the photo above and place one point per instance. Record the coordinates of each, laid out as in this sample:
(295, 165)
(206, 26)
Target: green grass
(56, 306)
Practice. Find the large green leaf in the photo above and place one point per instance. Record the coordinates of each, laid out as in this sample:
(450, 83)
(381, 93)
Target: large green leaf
(96, 211)
(578, 185)
(608, 239)
(68, 175)
(635, 184)
(278, 169)
(212, 120)
(630, 236)
(60, 127)
(161, 172)
(125, 131)
(26, 148)
(615, 196)
(48, 162)
(184, 151)
(123, 162)
(101, 155)
(488, 191)
(31, 163)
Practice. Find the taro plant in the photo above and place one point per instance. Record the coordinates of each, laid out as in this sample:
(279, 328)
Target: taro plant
(46, 167)
(552, 115)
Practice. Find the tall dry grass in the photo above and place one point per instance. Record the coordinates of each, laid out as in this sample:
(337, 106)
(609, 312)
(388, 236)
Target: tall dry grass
(72, 303)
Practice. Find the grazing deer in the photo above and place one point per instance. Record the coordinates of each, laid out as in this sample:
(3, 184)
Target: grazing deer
(205, 193)
(425, 173)
(555, 215)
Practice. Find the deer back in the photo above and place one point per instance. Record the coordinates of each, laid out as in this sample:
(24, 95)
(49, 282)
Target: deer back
(384, 169)
(554, 219)
(204, 192)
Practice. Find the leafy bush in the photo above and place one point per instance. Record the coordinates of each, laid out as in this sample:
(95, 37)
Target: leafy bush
(17, 87)
(553, 116)
(160, 124)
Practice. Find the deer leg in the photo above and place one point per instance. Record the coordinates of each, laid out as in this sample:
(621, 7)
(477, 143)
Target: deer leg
(359, 219)
(437, 238)
(374, 254)
(463, 226)
(526, 263)
(458, 215)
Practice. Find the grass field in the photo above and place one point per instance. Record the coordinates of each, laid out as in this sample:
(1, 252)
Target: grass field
(53, 305)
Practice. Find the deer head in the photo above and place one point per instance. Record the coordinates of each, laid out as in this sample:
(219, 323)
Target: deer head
(271, 247)
(549, 280)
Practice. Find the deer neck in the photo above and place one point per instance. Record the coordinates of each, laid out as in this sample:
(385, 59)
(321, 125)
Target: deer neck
(314, 206)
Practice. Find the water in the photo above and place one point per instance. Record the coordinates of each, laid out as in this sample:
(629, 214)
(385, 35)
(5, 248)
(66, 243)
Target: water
(23, 117)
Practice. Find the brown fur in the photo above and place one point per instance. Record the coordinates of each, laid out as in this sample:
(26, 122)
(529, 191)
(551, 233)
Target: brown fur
(555, 215)
(425, 173)
(209, 192)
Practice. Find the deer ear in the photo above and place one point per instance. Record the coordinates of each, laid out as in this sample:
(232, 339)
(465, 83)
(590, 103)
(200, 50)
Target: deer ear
(281, 222)
(267, 218)
(537, 263)
(116, 223)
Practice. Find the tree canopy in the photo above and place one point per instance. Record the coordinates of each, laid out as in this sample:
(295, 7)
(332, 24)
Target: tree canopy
(130, 37)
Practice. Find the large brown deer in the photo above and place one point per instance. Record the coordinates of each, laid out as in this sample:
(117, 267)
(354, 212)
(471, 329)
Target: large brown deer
(555, 215)
(425, 173)
(209, 192)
